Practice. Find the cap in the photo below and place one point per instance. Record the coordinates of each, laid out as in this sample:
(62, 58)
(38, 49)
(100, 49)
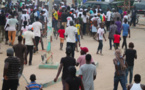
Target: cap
(85, 49)
(24, 9)
(62, 2)
(30, 27)
(10, 51)
(55, 5)
(86, 9)
(81, 9)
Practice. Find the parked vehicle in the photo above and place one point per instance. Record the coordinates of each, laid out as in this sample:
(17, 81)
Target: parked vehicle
(140, 7)
(103, 5)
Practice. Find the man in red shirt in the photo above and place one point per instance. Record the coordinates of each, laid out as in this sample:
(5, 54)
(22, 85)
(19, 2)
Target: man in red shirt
(61, 32)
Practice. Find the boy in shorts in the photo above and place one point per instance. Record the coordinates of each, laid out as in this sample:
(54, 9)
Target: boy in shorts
(61, 32)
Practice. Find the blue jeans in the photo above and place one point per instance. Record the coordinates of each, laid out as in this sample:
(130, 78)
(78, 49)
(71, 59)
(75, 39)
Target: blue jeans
(100, 45)
(129, 69)
(120, 79)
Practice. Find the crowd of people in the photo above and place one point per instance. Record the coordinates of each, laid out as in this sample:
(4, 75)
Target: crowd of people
(29, 23)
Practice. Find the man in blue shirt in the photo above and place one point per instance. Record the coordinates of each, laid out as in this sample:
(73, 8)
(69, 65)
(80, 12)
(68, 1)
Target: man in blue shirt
(33, 85)
(126, 31)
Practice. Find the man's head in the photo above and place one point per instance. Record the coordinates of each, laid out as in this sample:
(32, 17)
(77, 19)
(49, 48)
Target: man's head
(131, 45)
(112, 22)
(137, 78)
(68, 51)
(37, 19)
(71, 23)
(84, 50)
(20, 38)
(118, 18)
(32, 77)
(125, 20)
(10, 52)
(72, 71)
(88, 58)
(117, 53)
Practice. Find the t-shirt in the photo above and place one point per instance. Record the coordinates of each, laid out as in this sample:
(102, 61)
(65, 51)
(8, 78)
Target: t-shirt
(100, 32)
(125, 29)
(108, 15)
(14, 67)
(118, 23)
(37, 26)
(25, 17)
(19, 50)
(2, 19)
(78, 28)
(88, 71)
(64, 17)
(68, 20)
(67, 62)
(61, 33)
(73, 83)
(79, 14)
(34, 86)
(84, 18)
(112, 30)
(12, 24)
(71, 32)
(82, 60)
(29, 36)
(116, 38)
(130, 55)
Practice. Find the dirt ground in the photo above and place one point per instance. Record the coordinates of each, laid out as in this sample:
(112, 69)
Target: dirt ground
(105, 70)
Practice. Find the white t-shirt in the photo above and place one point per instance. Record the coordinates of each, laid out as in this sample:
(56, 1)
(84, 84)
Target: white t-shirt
(68, 20)
(27, 16)
(37, 26)
(79, 14)
(12, 24)
(100, 32)
(29, 36)
(85, 18)
(71, 32)
(136, 87)
(108, 15)
(88, 71)
(24, 29)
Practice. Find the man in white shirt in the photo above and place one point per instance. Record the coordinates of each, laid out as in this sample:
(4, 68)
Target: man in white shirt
(69, 18)
(136, 85)
(108, 15)
(37, 26)
(29, 41)
(12, 22)
(80, 12)
(88, 73)
(71, 34)
(25, 17)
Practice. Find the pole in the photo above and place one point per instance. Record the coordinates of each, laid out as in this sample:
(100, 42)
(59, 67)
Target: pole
(49, 32)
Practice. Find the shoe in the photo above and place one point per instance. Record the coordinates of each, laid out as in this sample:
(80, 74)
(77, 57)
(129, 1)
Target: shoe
(30, 64)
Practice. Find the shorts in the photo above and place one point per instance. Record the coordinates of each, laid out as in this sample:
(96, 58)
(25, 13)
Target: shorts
(78, 37)
(61, 40)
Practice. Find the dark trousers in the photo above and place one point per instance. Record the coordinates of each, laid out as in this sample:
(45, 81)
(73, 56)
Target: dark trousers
(100, 45)
(120, 79)
(42, 45)
(10, 84)
(133, 20)
(63, 84)
(130, 70)
(55, 22)
(124, 42)
(84, 28)
(6, 36)
(107, 25)
(37, 42)
(30, 50)
(110, 42)
(116, 45)
(72, 45)
(21, 71)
